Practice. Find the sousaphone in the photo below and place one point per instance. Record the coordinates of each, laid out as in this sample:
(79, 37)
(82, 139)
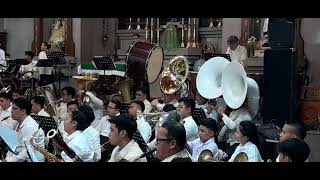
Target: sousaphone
(209, 77)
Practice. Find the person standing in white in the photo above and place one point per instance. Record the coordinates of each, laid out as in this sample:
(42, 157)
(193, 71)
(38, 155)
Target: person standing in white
(2, 56)
(46, 76)
(236, 51)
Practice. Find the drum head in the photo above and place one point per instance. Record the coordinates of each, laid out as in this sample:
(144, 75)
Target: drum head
(154, 65)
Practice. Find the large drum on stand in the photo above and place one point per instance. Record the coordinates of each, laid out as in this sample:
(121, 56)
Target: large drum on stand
(144, 64)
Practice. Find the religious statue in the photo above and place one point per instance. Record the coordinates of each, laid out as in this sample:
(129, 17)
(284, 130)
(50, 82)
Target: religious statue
(57, 38)
(170, 38)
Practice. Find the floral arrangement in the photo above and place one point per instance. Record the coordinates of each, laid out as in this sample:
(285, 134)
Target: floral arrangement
(252, 44)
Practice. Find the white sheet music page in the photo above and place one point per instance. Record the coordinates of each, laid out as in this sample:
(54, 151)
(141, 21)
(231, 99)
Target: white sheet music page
(9, 136)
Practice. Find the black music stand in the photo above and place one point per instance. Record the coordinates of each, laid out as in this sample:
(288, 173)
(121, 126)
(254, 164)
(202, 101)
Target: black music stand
(58, 58)
(125, 108)
(45, 63)
(104, 63)
(208, 56)
(46, 123)
(198, 115)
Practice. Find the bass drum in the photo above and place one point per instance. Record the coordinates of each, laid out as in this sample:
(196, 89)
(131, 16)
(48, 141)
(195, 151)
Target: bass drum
(144, 62)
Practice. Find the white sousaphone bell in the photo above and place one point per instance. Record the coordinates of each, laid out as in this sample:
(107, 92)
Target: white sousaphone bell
(209, 77)
(237, 87)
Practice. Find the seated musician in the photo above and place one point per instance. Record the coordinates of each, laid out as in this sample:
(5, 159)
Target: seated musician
(231, 123)
(293, 150)
(141, 95)
(91, 133)
(135, 111)
(46, 76)
(208, 130)
(171, 143)
(67, 94)
(27, 128)
(208, 107)
(74, 125)
(121, 135)
(186, 107)
(95, 103)
(292, 130)
(37, 103)
(72, 106)
(17, 94)
(27, 70)
(168, 99)
(247, 135)
(5, 115)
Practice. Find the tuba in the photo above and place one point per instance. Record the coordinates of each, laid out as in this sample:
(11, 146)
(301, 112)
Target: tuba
(174, 75)
(208, 81)
(253, 97)
(206, 156)
(61, 145)
(124, 88)
(83, 83)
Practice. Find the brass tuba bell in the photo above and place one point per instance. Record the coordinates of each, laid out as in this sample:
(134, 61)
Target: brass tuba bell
(83, 83)
(241, 157)
(174, 75)
(206, 156)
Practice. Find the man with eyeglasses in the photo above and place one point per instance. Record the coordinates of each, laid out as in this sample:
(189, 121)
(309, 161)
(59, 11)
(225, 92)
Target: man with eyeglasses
(141, 95)
(6, 108)
(26, 129)
(171, 143)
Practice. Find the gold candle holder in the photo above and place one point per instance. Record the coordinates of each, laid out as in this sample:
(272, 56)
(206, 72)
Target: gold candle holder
(194, 33)
(146, 28)
(129, 28)
(182, 33)
(189, 33)
(158, 31)
(138, 24)
(151, 30)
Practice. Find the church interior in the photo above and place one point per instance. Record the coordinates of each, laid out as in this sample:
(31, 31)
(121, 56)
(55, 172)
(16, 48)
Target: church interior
(268, 65)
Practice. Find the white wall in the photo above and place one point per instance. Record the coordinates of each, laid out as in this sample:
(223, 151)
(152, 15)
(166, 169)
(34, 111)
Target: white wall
(76, 33)
(20, 36)
(231, 26)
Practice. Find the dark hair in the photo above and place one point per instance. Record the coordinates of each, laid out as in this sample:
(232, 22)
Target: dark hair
(299, 130)
(29, 53)
(249, 129)
(125, 122)
(88, 112)
(188, 102)
(23, 104)
(142, 89)
(169, 107)
(139, 103)
(70, 91)
(210, 124)
(73, 102)
(296, 149)
(117, 103)
(176, 131)
(233, 40)
(138, 35)
(7, 96)
(47, 45)
(39, 100)
(80, 118)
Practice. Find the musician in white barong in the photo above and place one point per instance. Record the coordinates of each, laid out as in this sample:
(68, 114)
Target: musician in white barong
(141, 95)
(6, 108)
(186, 107)
(37, 103)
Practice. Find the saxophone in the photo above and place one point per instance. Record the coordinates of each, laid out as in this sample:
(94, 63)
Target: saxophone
(50, 157)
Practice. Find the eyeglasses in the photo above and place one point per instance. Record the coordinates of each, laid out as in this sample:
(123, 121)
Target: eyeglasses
(15, 108)
(158, 140)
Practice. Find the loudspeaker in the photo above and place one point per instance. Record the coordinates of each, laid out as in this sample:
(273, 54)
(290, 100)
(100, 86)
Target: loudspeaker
(281, 33)
(280, 95)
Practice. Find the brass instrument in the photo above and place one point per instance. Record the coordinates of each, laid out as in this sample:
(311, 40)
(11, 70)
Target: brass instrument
(60, 144)
(5, 89)
(206, 156)
(241, 157)
(49, 156)
(124, 89)
(174, 75)
(83, 83)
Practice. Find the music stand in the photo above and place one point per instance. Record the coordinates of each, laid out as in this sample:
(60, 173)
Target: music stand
(125, 108)
(104, 63)
(198, 115)
(212, 55)
(9, 138)
(58, 58)
(46, 123)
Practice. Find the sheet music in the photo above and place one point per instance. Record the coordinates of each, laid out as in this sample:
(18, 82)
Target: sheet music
(9, 136)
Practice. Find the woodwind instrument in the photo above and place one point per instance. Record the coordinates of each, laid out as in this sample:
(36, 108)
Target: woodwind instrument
(182, 33)
(189, 33)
